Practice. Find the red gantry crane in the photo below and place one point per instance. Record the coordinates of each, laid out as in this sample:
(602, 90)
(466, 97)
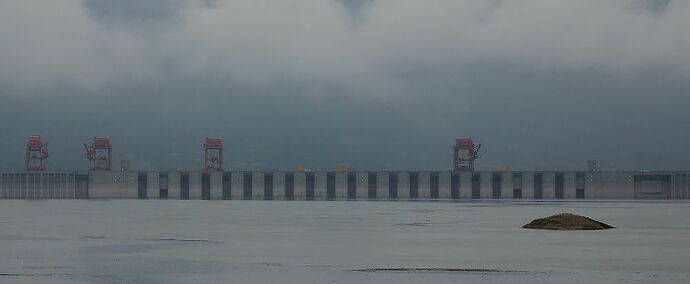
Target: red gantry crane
(36, 154)
(213, 154)
(100, 154)
(465, 153)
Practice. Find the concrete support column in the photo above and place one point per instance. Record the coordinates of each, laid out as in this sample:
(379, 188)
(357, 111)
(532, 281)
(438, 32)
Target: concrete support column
(300, 186)
(237, 180)
(12, 188)
(194, 185)
(403, 185)
(26, 186)
(14, 185)
(682, 186)
(680, 181)
(628, 185)
(549, 185)
(101, 185)
(131, 182)
(362, 185)
(21, 189)
(3, 185)
(152, 188)
(29, 186)
(591, 185)
(34, 186)
(424, 185)
(527, 185)
(41, 187)
(24, 178)
(3, 189)
(52, 187)
(46, 185)
(486, 185)
(278, 185)
(382, 185)
(686, 183)
(340, 185)
(216, 185)
(465, 185)
(258, 185)
(320, 186)
(444, 185)
(62, 185)
(174, 185)
(17, 190)
(49, 180)
(9, 185)
(20, 186)
(56, 191)
(73, 184)
(687, 186)
(45, 194)
(28, 190)
(57, 180)
(569, 190)
(507, 185)
(675, 186)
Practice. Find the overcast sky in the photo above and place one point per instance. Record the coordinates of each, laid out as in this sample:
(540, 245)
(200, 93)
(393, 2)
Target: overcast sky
(370, 84)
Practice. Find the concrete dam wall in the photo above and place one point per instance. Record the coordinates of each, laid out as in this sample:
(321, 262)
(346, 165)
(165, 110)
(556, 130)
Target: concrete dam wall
(360, 185)
(44, 185)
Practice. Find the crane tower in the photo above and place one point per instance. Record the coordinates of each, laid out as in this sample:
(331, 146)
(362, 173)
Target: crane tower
(100, 154)
(465, 153)
(36, 154)
(213, 154)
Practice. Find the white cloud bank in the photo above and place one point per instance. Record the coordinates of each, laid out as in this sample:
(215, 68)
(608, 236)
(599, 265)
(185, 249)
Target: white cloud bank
(317, 43)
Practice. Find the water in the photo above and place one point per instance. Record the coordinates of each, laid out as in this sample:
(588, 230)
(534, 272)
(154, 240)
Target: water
(156, 241)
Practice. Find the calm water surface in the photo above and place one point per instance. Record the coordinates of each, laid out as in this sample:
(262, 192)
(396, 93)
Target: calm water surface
(168, 241)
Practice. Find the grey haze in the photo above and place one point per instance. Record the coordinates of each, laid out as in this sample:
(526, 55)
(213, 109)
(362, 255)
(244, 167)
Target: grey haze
(370, 84)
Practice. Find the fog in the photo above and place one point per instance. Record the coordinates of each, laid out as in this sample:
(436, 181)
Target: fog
(370, 84)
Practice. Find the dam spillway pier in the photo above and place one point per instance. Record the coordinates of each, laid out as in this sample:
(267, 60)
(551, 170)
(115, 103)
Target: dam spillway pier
(347, 185)
(215, 182)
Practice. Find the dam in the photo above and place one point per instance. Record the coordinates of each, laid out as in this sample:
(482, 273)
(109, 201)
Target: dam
(214, 182)
(346, 185)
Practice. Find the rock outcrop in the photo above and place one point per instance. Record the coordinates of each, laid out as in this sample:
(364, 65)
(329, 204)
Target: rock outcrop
(567, 221)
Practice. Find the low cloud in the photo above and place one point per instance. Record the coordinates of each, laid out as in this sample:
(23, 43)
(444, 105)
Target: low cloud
(96, 43)
(418, 73)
